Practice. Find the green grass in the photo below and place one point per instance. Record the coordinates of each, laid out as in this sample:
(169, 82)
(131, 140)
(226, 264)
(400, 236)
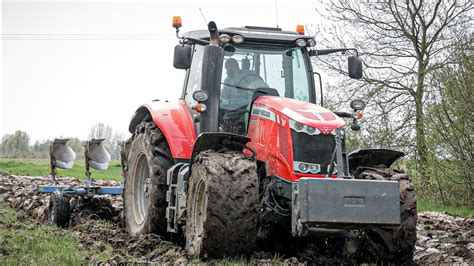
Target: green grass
(463, 211)
(23, 242)
(40, 167)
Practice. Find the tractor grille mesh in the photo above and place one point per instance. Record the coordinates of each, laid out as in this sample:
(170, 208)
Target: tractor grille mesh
(315, 149)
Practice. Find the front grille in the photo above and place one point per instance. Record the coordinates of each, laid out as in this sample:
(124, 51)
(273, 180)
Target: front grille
(315, 149)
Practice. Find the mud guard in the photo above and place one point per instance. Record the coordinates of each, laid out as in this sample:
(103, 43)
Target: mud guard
(174, 121)
(373, 157)
(139, 116)
(218, 141)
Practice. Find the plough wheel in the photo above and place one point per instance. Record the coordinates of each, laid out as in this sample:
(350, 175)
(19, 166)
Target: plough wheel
(59, 210)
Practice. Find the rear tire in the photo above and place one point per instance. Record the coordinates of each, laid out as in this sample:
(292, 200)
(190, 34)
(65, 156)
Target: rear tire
(148, 158)
(59, 210)
(222, 205)
(393, 245)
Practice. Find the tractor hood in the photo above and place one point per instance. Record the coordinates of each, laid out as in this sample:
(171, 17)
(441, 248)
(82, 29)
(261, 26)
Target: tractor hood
(303, 112)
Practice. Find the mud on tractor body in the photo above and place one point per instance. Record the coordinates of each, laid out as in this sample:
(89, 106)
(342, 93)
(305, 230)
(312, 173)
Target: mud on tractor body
(246, 157)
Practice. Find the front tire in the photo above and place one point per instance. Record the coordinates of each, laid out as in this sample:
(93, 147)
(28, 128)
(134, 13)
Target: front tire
(148, 159)
(222, 205)
(395, 245)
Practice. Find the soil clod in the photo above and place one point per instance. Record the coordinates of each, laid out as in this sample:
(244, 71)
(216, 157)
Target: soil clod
(442, 238)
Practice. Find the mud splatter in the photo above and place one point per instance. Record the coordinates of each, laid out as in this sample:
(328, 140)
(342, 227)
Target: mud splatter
(442, 238)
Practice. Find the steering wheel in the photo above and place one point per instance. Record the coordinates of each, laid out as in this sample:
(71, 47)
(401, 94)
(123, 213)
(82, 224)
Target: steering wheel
(244, 81)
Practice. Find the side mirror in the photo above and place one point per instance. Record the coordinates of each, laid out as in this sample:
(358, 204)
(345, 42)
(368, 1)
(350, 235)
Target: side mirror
(182, 56)
(355, 67)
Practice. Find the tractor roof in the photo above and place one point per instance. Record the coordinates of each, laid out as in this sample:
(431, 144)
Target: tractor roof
(254, 34)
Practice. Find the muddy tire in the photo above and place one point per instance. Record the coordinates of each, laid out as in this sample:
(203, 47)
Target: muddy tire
(147, 157)
(222, 206)
(59, 210)
(393, 245)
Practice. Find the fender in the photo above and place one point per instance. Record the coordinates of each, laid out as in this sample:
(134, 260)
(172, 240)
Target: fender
(220, 140)
(174, 120)
(373, 157)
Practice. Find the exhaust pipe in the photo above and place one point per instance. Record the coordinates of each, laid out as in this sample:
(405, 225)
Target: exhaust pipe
(211, 80)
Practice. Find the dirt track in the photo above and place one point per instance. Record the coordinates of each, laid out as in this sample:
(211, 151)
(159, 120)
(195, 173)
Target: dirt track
(442, 238)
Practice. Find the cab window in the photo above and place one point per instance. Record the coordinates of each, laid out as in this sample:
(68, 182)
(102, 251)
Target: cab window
(194, 78)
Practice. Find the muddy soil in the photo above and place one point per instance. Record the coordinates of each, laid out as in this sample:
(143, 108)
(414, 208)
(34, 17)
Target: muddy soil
(442, 238)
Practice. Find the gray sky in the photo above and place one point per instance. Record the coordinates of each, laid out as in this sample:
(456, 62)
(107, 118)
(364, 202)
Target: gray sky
(67, 65)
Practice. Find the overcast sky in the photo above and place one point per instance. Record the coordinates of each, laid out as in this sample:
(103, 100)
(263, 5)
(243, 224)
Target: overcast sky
(67, 65)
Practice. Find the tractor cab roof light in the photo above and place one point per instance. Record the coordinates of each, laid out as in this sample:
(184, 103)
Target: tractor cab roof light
(238, 39)
(177, 22)
(301, 42)
(311, 43)
(300, 29)
(224, 38)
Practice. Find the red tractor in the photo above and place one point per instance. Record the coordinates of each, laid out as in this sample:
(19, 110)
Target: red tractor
(246, 157)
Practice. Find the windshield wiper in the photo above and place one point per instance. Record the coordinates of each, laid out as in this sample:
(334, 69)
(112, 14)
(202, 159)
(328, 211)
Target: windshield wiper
(238, 87)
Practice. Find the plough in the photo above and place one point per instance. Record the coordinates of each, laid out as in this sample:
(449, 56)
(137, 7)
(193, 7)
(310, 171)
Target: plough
(62, 156)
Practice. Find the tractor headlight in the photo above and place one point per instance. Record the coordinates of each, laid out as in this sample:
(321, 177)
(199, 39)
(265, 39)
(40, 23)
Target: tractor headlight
(299, 126)
(303, 167)
(200, 96)
(314, 168)
(301, 42)
(224, 38)
(358, 105)
(311, 130)
(238, 39)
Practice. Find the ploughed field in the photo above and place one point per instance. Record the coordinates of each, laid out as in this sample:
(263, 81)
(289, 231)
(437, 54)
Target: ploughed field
(97, 233)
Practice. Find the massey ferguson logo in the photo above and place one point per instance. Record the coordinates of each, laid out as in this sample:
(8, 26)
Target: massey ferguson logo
(325, 130)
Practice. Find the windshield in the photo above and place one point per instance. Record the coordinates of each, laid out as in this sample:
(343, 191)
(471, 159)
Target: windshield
(281, 68)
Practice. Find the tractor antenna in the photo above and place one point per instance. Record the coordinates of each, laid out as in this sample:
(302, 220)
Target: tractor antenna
(203, 17)
(276, 12)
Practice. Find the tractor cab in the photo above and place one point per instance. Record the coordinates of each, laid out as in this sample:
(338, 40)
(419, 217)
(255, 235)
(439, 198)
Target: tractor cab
(255, 61)
(253, 58)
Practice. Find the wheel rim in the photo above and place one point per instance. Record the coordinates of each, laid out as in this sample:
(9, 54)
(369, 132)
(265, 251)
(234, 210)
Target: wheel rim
(142, 200)
(200, 209)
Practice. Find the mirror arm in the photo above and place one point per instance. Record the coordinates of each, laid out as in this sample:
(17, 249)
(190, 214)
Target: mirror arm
(320, 86)
(331, 51)
(343, 114)
(194, 40)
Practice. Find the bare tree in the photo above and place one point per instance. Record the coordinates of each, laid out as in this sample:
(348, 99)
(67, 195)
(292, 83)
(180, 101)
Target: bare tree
(112, 139)
(115, 147)
(77, 146)
(451, 124)
(101, 131)
(402, 44)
